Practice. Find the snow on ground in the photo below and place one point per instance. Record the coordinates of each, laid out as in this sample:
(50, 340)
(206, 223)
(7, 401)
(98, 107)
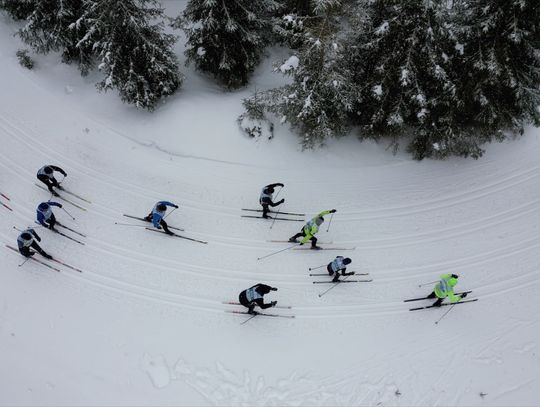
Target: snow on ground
(144, 324)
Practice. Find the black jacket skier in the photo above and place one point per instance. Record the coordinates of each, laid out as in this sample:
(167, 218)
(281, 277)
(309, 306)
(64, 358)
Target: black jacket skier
(25, 241)
(254, 296)
(266, 198)
(46, 175)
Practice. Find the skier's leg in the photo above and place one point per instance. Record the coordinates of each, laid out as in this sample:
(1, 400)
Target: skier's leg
(432, 295)
(265, 210)
(38, 249)
(300, 234)
(165, 227)
(438, 302)
(314, 243)
(51, 222)
(148, 218)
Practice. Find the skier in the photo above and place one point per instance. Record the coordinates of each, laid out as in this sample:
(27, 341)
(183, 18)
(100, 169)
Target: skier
(45, 215)
(266, 198)
(310, 229)
(46, 175)
(157, 214)
(25, 241)
(337, 266)
(254, 296)
(445, 288)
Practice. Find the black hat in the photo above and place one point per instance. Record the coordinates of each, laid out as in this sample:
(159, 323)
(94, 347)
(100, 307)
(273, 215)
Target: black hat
(26, 236)
(161, 207)
(48, 170)
(347, 261)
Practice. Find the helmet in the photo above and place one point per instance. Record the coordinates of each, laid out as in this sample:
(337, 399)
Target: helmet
(43, 206)
(347, 261)
(270, 190)
(48, 170)
(319, 220)
(26, 236)
(161, 207)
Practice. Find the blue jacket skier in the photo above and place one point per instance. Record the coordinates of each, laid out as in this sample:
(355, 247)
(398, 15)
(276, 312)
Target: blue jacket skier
(45, 215)
(266, 197)
(46, 175)
(157, 215)
(337, 266)
(254, 296)
(25, 241)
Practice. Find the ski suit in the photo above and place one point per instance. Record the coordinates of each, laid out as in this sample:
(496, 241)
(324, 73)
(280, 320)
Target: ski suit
(311, 228)
(26, 244)
(45, 215)
(337, 266)
(266, 196)
(445, 289)
(254, 296)
(48, 179)
(156, 216)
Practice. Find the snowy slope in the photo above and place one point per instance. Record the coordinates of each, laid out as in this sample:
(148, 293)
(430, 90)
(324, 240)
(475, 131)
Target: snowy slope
(144, 324)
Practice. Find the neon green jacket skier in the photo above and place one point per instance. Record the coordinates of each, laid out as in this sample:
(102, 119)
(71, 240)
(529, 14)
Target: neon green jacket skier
(312, 227)
(445, 288)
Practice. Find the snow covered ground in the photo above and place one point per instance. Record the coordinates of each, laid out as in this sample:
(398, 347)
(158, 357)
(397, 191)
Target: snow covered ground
(144, 324)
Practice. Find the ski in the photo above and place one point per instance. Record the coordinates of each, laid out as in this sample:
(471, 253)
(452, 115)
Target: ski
(65, 227)
(5, 206)
(144, 220)
(175, 235)
(286, 241)
(324, 248)
(342, 281)
(260, 217)
(74, 194)
(62, 198)
(68, 237)
(36, 260)
(276, 306)
(425, 298)
(281, 213)
(5, 196)
(326, 274)
(259, 313)
(443, 305)
(66, 265)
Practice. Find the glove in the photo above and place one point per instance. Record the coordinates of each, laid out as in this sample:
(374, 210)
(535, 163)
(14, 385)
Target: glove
(64, 173)
(59, 205)
(273, 303)
(455, 276)
(273, 289)
(176, 206)
(158, 227)
(282, 201)
(47, 256)
(38, 239)
(281, 185)
(464, 295)
(333, 211)
(31, 254)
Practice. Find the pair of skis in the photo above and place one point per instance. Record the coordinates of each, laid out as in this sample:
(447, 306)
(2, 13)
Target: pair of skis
(47, 264)
(170, 227)
(66, 236)
(308, 246)
(442, 305)
(263, 314)
(69, 201)
(276, 213)
(3, 204)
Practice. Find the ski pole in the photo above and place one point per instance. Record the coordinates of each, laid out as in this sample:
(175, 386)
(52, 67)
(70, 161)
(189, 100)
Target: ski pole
(336, 283)
(5, 196)
(170, 212)
(70, 215)
(450, 309)
(25, 260)
(279, 251)
(279, 209)
(431, 282)
(329, 223)
(249, 319)
(315, 268)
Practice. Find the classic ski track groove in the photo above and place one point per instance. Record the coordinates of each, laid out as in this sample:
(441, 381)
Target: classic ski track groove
(509, 284)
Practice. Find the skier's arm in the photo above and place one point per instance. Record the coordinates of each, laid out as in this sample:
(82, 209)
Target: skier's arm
(51, 203)
(278, 184)
(35, 235)
(453, 297)
(60, 170)
(167, 203)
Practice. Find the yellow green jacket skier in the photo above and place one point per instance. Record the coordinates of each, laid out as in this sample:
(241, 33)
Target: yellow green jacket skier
(312, 227)
(445, 288)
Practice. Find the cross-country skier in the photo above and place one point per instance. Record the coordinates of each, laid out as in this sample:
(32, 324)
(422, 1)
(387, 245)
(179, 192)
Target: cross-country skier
(338, 267)
(266, 198)
(45, 215)
(157, 214)
(445, 288)
(46, 175)
(25, 241)
(254, 296)
(310, 229)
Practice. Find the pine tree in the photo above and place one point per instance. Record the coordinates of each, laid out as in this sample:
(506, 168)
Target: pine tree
(501, 63)
(18, 9)
(133, 52)
(226, 38)
(54, 25)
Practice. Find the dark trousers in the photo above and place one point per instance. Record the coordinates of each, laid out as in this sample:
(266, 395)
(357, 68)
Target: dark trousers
(50, 182)
(25, 251)
(162, 223)
(244, 301)
(303, 234)
(439, 300)
(265, 204)
(51, 221)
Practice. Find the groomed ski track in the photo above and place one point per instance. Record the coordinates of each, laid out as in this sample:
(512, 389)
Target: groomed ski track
(144, 323)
